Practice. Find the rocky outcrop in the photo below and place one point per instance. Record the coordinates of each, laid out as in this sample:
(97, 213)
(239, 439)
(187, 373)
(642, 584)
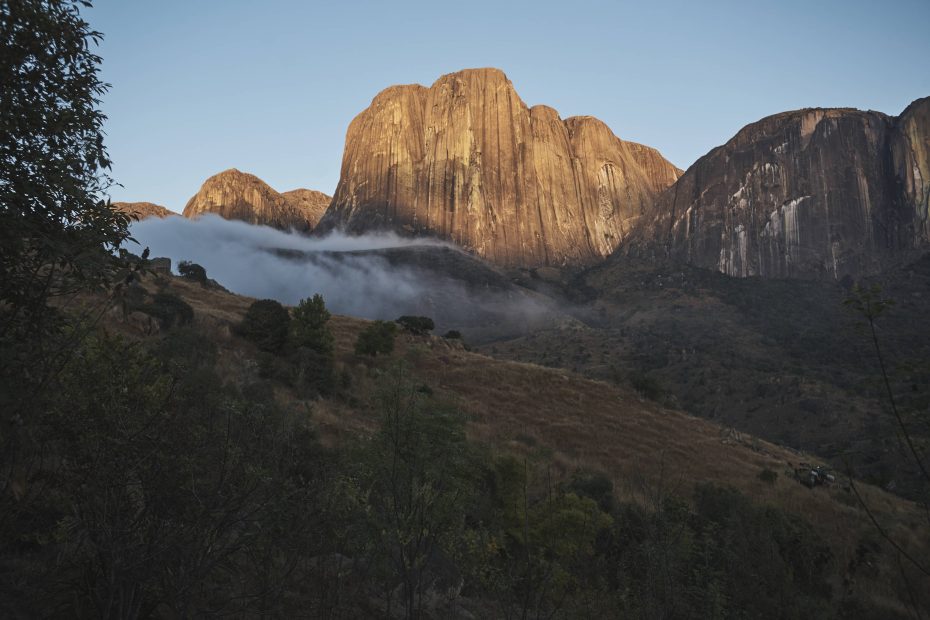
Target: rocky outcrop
(142, 210)
(815, 193)
(236, 195)
(910, 152)
(467, 160)
(311, 203)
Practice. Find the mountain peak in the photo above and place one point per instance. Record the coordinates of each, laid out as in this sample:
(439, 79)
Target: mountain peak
(467, 160)
(236, 195)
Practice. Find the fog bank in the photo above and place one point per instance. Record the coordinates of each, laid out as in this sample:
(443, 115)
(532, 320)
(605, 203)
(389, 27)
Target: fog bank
(375, 276)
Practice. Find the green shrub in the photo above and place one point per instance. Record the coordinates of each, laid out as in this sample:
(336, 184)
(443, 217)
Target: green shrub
(647, 386)
(266, 323)
(309, 325)
(768, 476)
(376, 338)
(315, 372)
(192, 271)
(453, 334)
(420, 325)
(169, 309)
(594, 485)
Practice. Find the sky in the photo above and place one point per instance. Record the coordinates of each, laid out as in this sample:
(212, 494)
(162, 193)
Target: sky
(269, 87)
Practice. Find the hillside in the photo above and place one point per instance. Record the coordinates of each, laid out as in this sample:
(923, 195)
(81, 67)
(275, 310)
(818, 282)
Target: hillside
(648, 450)
(785, 360)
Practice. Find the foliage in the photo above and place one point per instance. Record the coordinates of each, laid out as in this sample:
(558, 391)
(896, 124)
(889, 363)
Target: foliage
(377, 338)
(647, 386)
(57, 232)
(309, 325)
(266, 323)
(165, 484)
(415, 477)
(768, 476)
(52, 213)
(192, 271)
(169, 309)
(453, 334)
(419, 325)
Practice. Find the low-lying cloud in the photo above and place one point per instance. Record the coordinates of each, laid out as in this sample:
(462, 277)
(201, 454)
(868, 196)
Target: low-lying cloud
(371, 276)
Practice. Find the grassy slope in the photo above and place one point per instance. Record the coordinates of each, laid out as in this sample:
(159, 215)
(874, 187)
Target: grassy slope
(649, 450)
(782, 360)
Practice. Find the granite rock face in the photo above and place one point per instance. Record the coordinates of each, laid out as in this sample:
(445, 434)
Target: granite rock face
(311, 203)
(236, 195)
(142, 210)
(910, 156)
(468, 161)
(815, 193)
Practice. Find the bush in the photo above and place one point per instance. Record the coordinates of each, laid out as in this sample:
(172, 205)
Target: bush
(768, 476)
(376, 338)
(420, 325)
(169, 309)
(309, 328)
(192, 271)
(594, 485)
(647, 386)
(266, 323)
(453, 334)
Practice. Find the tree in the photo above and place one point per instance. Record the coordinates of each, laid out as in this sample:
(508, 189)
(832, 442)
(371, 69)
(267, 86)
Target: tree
(376, 338)
(416, 477)
(192, 271)
(266, 323)
(309, 327)
(57, 230)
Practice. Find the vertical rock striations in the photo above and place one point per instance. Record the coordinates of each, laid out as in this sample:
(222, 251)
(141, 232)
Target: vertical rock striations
(311, 204)
(236, 195)
(910, 152)
(816, 193)
(467, 160)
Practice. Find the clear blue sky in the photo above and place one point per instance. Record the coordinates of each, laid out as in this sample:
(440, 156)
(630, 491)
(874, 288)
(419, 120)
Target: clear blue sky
(269, 86)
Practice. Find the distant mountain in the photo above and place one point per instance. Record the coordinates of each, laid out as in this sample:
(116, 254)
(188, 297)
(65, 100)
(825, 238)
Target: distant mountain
(312, 204)
(815, 193)
(468, 161)
(142, 210)
(236, 195)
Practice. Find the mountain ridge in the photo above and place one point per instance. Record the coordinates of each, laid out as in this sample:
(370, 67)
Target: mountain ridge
(236, 195)
(810, 193)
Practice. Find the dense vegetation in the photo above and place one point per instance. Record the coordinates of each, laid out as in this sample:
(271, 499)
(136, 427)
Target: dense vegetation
(174, 493)
(377, 338)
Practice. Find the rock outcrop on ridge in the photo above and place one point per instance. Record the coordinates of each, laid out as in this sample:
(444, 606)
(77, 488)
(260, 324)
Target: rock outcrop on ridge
(142, 210)
(814, 193)
(311, 203)
(236, 195)
(468, 161)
